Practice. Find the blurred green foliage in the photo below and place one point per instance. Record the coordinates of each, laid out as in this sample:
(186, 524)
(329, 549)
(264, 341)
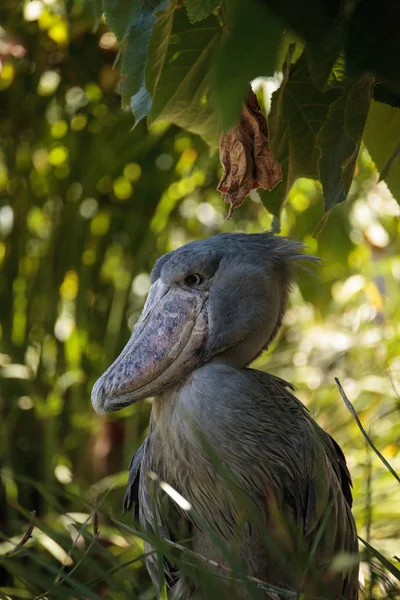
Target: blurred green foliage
(86, 206)
(190, 62)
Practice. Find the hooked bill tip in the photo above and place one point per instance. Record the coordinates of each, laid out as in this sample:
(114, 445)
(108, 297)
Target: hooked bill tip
(98, 397)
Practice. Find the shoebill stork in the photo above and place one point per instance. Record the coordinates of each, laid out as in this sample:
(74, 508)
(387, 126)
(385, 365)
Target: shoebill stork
(213, 307)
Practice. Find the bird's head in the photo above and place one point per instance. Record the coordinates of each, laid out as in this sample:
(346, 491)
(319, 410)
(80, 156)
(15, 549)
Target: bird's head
(220, 299)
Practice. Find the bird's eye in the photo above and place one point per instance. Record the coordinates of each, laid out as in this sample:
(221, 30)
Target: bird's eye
(193, 280)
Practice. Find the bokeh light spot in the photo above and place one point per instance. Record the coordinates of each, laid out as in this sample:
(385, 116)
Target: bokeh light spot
(122, 188)
(58, 155)
(100, 224)
(7, 74)
(164, 162)
(107, 40)
(88, 208)
(63, 474)
(132, 172)
(70, 285)
(78, 122)
(33, 10)
(59, 129)
(141, 284)
(64, 327)
(25, 403)
(6, 220)
(59, 32)
(48, 83)
(93, 92)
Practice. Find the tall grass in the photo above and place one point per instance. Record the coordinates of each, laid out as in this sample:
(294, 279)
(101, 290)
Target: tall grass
(96, 552)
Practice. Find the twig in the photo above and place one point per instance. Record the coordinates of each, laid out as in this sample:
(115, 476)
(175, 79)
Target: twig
(27, 535)
(365, 434)
(95, 522)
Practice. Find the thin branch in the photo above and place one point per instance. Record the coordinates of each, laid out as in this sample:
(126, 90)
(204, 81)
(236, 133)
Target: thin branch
(27, 535)
(365, 434)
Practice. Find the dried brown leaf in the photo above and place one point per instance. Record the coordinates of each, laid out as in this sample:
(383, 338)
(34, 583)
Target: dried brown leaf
(246, 156)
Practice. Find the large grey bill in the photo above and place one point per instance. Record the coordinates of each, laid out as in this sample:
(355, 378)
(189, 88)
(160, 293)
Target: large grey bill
(166, 344)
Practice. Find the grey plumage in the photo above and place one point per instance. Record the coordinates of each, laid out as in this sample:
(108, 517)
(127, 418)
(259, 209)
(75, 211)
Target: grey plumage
(292, 472)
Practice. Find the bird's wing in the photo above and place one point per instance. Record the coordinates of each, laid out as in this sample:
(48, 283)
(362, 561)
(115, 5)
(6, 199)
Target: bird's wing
(339, 460)
(326, 512)
(310, 470)
(138, 498)
(131, 498)
(347, 540)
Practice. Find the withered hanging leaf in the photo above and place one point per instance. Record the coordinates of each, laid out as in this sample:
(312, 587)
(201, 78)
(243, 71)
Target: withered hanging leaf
(246, 156)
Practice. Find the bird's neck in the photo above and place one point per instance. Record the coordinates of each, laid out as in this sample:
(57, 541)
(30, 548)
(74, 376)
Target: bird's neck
(193, 401)
(243, 354)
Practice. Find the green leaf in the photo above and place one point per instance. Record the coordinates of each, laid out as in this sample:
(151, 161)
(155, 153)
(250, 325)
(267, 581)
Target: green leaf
(381, 137)
(133, 22)
(133, 88)
(320, 25)
(298, 111)
(178, 76)
(248, 50)
(340, 138)
(158, 46)
(121, 16)
(323, 54)
(198, 10)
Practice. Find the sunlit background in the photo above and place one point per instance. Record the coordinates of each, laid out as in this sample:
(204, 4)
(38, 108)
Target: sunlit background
(86, 207)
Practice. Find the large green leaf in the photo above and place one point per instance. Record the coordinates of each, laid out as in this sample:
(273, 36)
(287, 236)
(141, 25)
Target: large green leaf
(248, 50)
(133, 88)
(323, 54)
(121, 16)
(133, 22)
(298, 111)
(178, 75)
(198, 10)
(340, 138)
(381, 137)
